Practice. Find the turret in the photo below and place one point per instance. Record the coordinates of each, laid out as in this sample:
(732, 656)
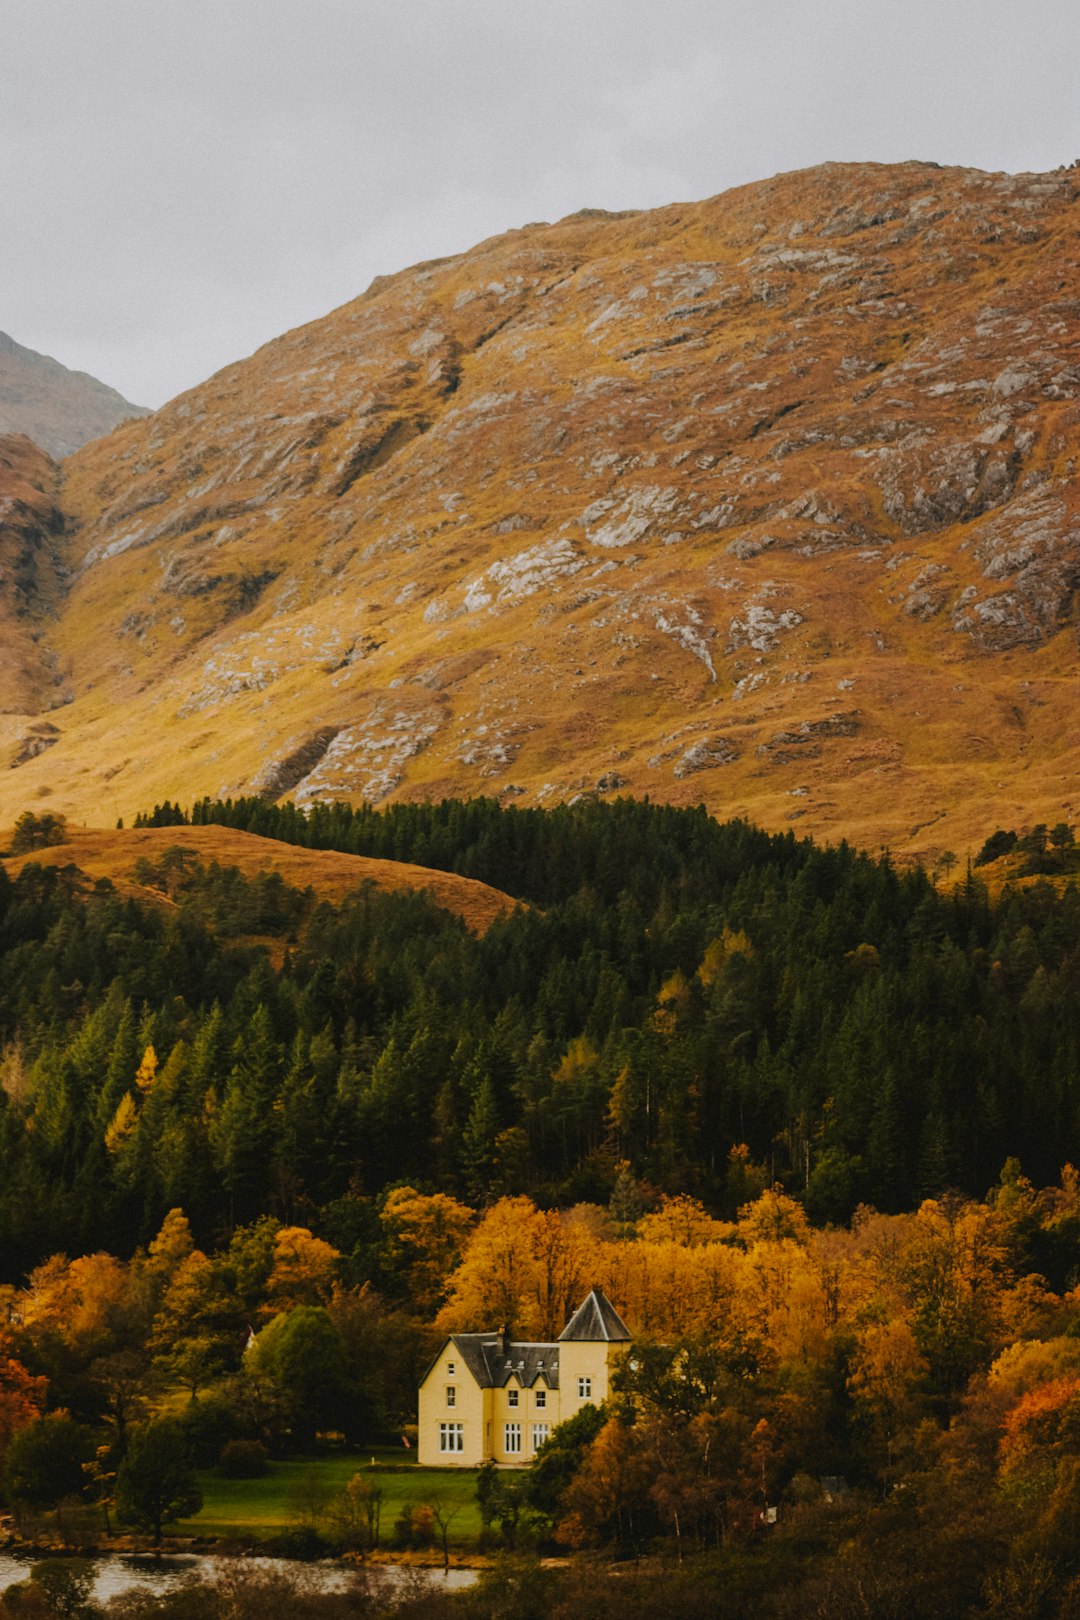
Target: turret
(589, 1346)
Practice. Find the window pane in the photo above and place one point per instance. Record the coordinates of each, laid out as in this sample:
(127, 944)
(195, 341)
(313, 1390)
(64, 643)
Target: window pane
(451, 1437)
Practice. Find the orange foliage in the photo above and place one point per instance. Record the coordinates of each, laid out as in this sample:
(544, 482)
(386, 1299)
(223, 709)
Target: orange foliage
(80, 1300)
(303, 1271)
(682, 1220)
(1041, 1430)
(524, 1269)
(427, 1233)
(601, 1498)
(22, 1399)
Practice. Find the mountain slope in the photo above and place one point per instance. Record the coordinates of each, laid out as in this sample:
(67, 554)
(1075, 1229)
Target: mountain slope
(768, 501)
(57, 408)
(30, 584)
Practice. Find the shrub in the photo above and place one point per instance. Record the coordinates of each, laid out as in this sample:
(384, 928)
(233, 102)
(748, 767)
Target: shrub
(243, 1459)
(303, 1541)
(208, 1425)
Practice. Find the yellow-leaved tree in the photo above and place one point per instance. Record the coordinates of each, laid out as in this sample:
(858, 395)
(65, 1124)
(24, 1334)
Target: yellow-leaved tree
(426, 1234)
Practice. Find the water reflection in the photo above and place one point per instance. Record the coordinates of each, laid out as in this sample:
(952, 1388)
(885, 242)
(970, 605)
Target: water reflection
(162, 1573)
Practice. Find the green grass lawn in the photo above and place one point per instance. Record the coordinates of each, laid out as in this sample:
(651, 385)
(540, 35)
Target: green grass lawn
(246, 1508)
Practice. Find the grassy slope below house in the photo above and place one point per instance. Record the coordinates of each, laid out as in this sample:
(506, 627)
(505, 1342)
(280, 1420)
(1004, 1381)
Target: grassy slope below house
(243, 1509)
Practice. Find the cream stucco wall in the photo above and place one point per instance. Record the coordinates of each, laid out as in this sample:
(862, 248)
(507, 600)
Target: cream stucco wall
(471, 1409)
(528, 1411)
(485, 1413)
(579, 1360)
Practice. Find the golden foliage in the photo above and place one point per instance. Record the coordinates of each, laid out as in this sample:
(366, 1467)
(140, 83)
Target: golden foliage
(427, 1233)
(303, 1271)
(122, 1124)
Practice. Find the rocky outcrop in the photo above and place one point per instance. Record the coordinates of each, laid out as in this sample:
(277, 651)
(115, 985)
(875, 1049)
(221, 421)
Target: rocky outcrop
(30, 587)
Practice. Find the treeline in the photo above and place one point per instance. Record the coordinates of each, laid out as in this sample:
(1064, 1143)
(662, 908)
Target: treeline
(681, 989)
(626, 848)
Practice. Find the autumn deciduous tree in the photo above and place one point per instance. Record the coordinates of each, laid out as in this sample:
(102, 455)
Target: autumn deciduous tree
(523, 1268)
(355, 1515)
(681, 1219)
(22, 1399)
(303, 1271)
(609, 1496)
(886, 1368)
(492, 1285)
(1040, 1432)
(84, 1301)
(425, 1237)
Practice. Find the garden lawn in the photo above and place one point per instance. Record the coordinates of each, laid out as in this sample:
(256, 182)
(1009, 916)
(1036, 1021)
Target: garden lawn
(288, 1492)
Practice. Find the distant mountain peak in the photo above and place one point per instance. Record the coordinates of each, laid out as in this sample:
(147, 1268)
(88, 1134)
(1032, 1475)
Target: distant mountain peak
(60, 409)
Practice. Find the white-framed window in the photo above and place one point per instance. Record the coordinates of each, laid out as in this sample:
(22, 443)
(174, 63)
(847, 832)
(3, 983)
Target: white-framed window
(540, 1432)
(451, 1369)
(511, 1437)
(511, 1397)
(451, 1437)
(541, 1397)
(584, 1389)
(451, 1394)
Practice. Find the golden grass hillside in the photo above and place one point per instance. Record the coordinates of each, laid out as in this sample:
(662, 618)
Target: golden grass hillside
(768, 502)
(100, 853)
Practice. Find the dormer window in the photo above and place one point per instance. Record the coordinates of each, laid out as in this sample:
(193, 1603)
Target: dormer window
(512, 1397)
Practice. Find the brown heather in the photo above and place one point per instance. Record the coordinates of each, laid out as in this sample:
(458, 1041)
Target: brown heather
(768, 502)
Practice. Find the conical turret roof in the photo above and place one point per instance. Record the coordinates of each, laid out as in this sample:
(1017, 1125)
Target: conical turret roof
(596, 1321)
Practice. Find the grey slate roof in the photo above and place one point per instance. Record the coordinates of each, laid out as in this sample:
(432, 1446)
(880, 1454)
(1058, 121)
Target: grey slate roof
(494, 1361)
(596, 1321)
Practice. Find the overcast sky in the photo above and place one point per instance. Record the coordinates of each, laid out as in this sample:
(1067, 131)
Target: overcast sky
(181, 180)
